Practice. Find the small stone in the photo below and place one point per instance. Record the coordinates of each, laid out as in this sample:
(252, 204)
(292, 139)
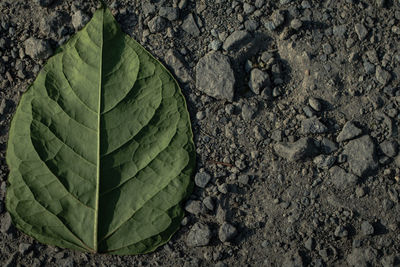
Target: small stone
(360, 192)
(248, 9)
(340, 231)
(179, 67)
(382, 76)
(215, 77)
(341, 179)
(170, 13)
(24, 248)
(194, 207)
(313, 126)
(308, 111)
(367, 228)
(357, 258)
(361, 156)
(248, 112)
(37, 49)
(339, 31)
(6, 224)
(277, 19)
(208, 203)
(327, 48)
(315, 104)
(309, 244)
(189, 25)
(324, 161)
(237, 39)
(304, 147)
(227, 232)
(201, 179)
(389, 148)
(44, 3)
(348, 132)
(79, 19)
(215, 45)
(251, 25)
(258, 80)
(328, 146)
(3, 106)
(148, 8)
(243, 179)
(296, 24)
(200, 235)
(156, 24)
(361, 31)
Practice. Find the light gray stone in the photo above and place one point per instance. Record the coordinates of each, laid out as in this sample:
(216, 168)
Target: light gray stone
(156, 24)
(215, 77)
(201, 179)
(361, 156)
(304, 147)
(200, 235)
(37, 49)
(348, 132)
(79, 19)
(342, 179)
(189, 25)
(361, 31)
(313, 126)
(178, 66)
(382, 76)
(258, 80)
(237, 39)
(227, 232)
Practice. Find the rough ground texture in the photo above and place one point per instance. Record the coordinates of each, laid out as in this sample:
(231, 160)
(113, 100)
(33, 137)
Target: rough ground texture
(262, 198)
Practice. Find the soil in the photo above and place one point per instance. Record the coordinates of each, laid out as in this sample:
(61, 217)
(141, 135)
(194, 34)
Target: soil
(303, 165)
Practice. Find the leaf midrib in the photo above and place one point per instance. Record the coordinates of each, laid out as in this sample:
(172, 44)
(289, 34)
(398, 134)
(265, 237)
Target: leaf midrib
(96, 214)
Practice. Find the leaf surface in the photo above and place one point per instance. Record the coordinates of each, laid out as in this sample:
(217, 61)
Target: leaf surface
(100, 149)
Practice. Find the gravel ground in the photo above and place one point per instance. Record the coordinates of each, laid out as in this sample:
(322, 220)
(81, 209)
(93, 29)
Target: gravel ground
(295, 111)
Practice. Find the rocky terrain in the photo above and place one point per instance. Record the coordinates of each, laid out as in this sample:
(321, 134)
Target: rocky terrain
(295, 111)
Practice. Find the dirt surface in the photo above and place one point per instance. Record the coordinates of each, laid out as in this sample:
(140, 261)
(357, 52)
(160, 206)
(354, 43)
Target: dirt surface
(296, 130)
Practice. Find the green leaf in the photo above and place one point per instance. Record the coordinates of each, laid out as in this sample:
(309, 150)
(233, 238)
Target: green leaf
(100, 149)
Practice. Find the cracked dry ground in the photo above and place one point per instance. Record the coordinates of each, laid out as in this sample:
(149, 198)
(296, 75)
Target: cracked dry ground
(295, 112)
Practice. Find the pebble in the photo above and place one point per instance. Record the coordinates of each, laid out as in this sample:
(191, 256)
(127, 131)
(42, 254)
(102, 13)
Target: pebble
(3, 106)
(328, 146)
(389, 148)
(342, 179)
(248, 9)
(382, 76)
(348, 132)
(313, 126)
(215, 77)
(24, 248)
(251, 25)
(79, 19)
(367, 228)
(341, 232)
(304, 147)
(226, 232)
(315, 104)
(324, 161)
(194, 207)
(248, 112)
(156, 24)
(309, 244)
(215, 45)
(189, 25)
(361, 156)
(178, 65)
(199, 235)
(170, 13)
(361, 31)
(37, 49)
(277, 19)
(201, 179)
(209, 203)
(296, 24)
(236, 39)
(6, 223)
(258, 80)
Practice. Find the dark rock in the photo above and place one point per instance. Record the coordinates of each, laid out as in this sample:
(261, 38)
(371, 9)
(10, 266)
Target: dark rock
(303, 148)
(361, 156)
(258, 80)
(348, 132)
(227, 232)
(199, 235)
(214, 76)
(189, 25)
(328, 146)
(44, 3)
(236, 39)
(313, 126)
